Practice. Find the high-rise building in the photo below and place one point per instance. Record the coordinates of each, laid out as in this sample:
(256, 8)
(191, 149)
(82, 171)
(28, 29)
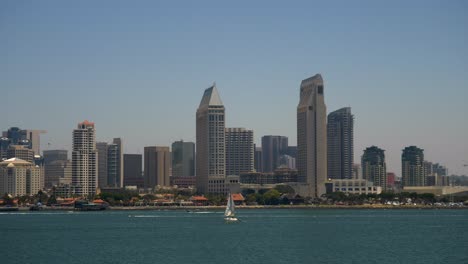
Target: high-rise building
(292, 151)
(4, 144)
(272, 148)
(258, 159)
(286, 161)
(28, 137)
(239, 151)
(312, 136)
(57, 168)
(19, 177)
(374, 168)
(340, 144)
(157, 165)
(133, 170)
(412, 167)
(391, 179)
(84, 159)
(110, 163)
(210, 158)
(183, 159)
(20, 152)
(101, 148)
(115, 165)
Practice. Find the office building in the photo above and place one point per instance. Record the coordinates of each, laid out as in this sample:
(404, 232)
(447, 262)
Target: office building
(57, 168)
(157, 164)
(20, 152)
(133, 170)
(311, 159)
(26, 137)
(239, 151)
(258, 159)
(272, 148)
(340, 144)
(101, 148)
(115, 165)
(19, 177)
(183, 159)
(374, 168)
(210, 141)
(412, 167)
(84, 159)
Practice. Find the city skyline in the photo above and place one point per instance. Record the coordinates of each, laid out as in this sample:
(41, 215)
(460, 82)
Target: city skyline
(401, 95)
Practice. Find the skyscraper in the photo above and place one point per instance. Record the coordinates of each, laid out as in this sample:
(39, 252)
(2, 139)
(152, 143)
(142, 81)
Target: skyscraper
(211, 160)
(340, 144)
(115, 164)
(258, 159)
(157, 165)
(20, 152)
(84, 159)
(374, 168)
(272, 148)
(101, 148)
(239, 151)
(412, 167)
(312, 136)
(27, 137)
(133, 170)
(183, 159)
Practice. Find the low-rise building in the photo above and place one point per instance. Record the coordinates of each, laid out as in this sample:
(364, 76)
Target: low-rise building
(352, 186)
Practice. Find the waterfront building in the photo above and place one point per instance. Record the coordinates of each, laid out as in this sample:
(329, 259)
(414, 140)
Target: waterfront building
(412, 167)
(19, 177)
(183, 181)
(84, 159)
(133, 170)
(340, 144)
(280, 175)
(374, 168)
(157, 164)
(272, 148)
(210, 141)
(239, 151)
(352, 186)
(312, 136)
(183, 158)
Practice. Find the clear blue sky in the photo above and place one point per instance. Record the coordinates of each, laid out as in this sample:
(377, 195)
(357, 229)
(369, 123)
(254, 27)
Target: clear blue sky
(138, 69)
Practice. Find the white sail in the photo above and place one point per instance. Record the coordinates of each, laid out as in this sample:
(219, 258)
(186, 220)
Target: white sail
(229, 207)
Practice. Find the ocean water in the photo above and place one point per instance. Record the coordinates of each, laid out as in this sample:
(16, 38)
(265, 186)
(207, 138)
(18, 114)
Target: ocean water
(263, 236)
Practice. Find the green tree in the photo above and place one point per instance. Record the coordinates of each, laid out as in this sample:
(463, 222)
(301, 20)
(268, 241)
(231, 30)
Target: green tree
(272, 197)
(284, 189)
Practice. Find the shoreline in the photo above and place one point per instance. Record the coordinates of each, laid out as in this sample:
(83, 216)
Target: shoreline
(251, 207)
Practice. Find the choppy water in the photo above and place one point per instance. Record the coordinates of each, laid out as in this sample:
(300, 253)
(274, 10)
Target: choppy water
(263, 236)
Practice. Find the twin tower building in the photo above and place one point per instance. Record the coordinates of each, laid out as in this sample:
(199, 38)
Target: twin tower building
(211, 173)
(311, 141)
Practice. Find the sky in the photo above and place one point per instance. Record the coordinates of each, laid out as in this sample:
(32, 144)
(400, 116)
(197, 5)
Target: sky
(138, 69)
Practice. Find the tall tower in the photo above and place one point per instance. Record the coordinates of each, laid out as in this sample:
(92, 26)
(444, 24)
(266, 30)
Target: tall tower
(157, 164)
(183, 159)
(340, 141)
(84, 159)
(115, 163)
(239, 151)
(272, 148)
(312, 136)
(412, 167)
(210, 159)
(374, 168)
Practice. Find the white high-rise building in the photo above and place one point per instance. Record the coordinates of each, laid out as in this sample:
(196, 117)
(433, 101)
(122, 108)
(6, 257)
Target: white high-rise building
(312, 136)
(84, 159)
(210, 158)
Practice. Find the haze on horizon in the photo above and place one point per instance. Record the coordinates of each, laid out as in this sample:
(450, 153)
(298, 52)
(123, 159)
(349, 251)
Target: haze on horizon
(139, 70)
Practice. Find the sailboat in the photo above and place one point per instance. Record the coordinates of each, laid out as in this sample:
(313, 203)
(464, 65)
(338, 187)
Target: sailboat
(229, 215)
